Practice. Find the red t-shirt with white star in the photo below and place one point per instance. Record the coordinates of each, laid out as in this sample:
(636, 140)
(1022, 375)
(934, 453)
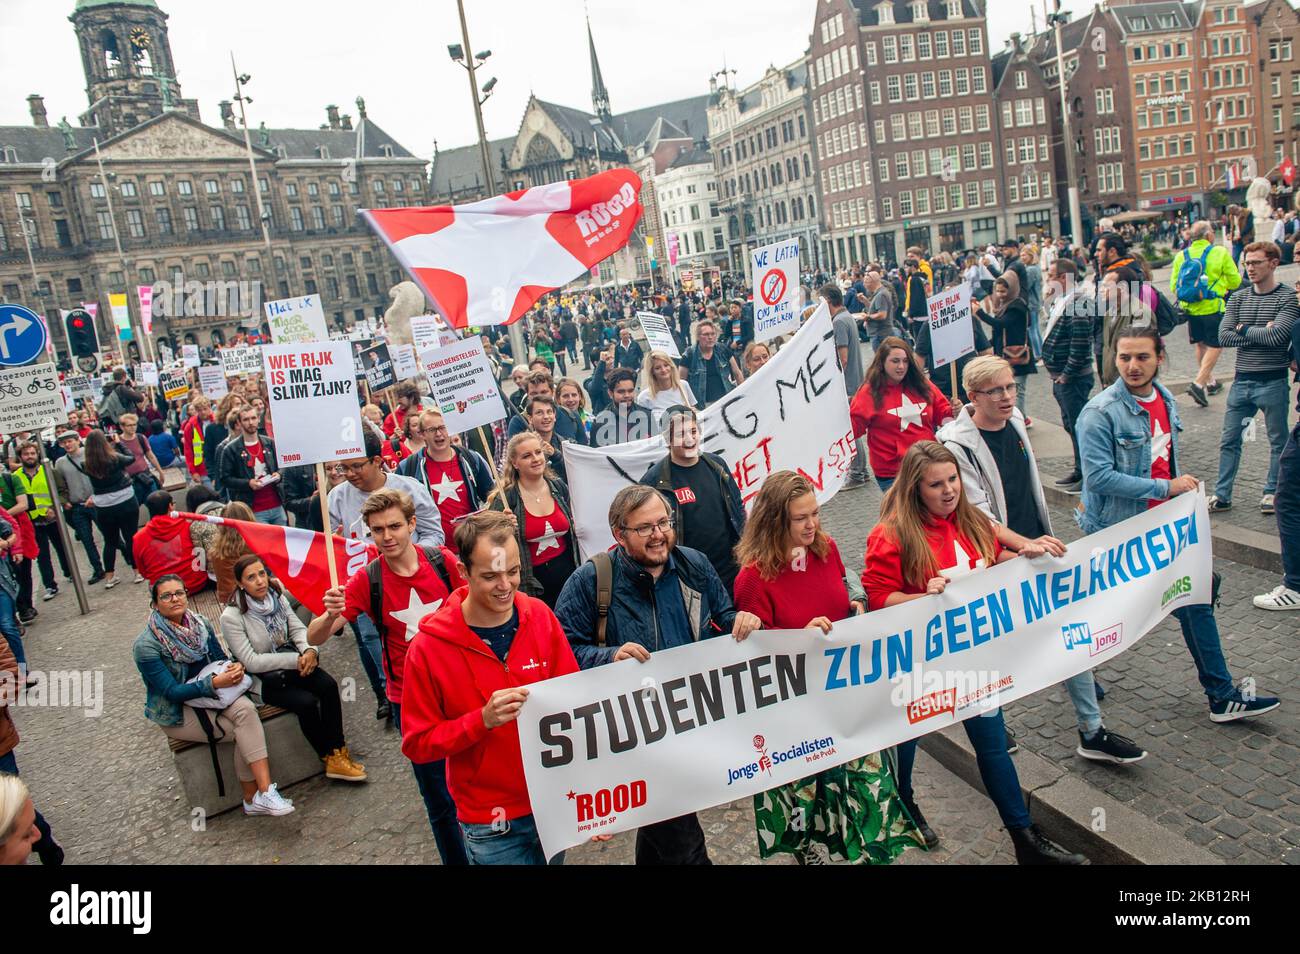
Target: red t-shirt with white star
(900, 420)
(413, 597)
(447, 488)
(882, 573)
(1161, 440)
(547, 537)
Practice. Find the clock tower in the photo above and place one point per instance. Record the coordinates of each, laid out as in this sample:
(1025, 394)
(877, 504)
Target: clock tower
(127, 59)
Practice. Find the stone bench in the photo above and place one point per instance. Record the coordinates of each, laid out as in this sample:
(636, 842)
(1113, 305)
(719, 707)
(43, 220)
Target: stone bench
(293, 760)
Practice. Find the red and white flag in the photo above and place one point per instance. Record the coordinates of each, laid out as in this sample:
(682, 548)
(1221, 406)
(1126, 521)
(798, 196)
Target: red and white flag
(487, 262)
(1288, 170)
(296, 557)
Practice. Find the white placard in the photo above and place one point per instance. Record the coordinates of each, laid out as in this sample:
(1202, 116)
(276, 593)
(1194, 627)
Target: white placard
(190, 355)
(313, 401)
(212, 381)
(657, 334)
(952, 330)
(69, 402)
(148, 371)
(243, 360)
(405, 365)
(777, 293)
(174, 382)
(296, 320)
(463, 387)
(713, 722)
(30, 398)
(80, 385)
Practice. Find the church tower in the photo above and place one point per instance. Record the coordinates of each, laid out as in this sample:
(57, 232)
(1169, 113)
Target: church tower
(599, 94)
(127, 59)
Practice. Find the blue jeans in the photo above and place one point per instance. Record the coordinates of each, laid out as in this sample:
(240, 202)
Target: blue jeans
(9, 765)
(1245, 398)
(1288, 509)
(9, 628)
(276, 517)
(1083, 693)
(884, 483)
(371, 652)
(82, 521)
(988, 733)
(512, 842)
(1201, 633)
(1035, 337)
(431, 778)
(1071, 397)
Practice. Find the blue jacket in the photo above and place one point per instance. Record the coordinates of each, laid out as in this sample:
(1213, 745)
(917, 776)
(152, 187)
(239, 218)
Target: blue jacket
(1114, 433)
(686, 604)
(474, 471)
(166, 689)
(697, 370)
(568, 426)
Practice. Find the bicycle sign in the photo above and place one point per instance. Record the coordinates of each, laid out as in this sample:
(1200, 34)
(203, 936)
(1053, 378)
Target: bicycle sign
(30, 398)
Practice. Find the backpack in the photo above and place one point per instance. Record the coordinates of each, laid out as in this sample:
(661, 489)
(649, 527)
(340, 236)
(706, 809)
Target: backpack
(112, 407)
(1167, 316)
(1193, 283)
(604, 565)
(373, 575)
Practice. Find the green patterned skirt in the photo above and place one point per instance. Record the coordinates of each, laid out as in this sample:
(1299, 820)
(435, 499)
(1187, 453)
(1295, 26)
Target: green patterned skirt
(853, 809)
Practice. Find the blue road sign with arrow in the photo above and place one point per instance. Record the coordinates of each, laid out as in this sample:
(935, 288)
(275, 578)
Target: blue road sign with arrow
(22, 335)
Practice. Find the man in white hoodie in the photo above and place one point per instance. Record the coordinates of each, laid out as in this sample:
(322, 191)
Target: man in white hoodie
(992, 447)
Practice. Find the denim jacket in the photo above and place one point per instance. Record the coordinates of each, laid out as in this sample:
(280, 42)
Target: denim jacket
(166, 689)
(1114, 433)
(697, 369)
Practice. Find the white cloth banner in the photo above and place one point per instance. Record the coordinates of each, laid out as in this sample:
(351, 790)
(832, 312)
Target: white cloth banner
(657, 334)
(631, 743)
(790, 415)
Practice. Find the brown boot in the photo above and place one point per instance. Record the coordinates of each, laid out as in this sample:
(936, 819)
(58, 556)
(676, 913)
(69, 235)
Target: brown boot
(339, 766)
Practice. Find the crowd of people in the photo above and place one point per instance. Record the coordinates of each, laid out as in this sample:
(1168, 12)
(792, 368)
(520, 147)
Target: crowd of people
(478, 567)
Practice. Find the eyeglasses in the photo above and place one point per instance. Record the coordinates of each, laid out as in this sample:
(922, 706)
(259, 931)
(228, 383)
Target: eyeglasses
(999, 393)
(440, 429)
(663, 526)
(352, 468)
(171, 597)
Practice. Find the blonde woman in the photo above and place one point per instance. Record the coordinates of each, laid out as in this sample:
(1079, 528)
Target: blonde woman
(757, 354)
(569, 394)
(664, 388)
(539, 501)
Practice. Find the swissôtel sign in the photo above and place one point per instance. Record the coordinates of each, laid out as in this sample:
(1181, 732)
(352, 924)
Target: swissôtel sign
(1173, 99)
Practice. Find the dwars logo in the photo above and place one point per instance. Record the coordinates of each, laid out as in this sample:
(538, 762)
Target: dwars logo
(934, 704)
(604, 805)
(1107, 639)
(1076, 635)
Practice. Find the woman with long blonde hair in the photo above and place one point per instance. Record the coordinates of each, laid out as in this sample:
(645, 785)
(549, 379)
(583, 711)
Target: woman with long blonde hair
(539, 501)
(792, 577)
(664, 387)
(929, 534)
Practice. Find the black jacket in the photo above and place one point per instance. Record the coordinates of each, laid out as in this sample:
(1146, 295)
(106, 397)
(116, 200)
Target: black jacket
(512, 501)
(660, 477)
(298, 490)
(237, 469)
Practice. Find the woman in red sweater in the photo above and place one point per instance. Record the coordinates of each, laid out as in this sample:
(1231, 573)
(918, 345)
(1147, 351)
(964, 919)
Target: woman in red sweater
(896, 407)
(929, 534)
(792, 577)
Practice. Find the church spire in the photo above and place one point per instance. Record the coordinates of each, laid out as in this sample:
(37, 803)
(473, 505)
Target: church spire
(599, 95)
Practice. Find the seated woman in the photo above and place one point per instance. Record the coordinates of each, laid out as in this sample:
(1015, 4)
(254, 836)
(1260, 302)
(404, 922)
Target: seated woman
(271, 642)
(929, 534)
(176, 646)
(792, 577)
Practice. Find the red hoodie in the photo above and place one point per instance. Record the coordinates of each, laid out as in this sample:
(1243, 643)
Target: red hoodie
(450, 675)
(893, 427)
(163, 546)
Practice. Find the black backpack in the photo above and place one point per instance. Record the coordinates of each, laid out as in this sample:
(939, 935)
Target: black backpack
(373, 575)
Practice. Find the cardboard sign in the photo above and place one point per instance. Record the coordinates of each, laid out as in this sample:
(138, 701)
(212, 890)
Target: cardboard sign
(212, 381)
(776, 289)
(80, 385)
(313, 400)
(428, 331)
(147, 373)
(174, 382)
(378, 366)
(296, 320)
(30, 398)
(952, 332)
(405, 365)
(657, 334)
(190, 355)
(463, 387)
(240, 361)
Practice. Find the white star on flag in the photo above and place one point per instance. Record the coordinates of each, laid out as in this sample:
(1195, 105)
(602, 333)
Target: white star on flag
(908, 413)
(447, 489)
(963, 564)
(416, 610)
(1159, 443)
(549, 540)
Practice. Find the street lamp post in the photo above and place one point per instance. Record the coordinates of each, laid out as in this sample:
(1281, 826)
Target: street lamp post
(1057, 19)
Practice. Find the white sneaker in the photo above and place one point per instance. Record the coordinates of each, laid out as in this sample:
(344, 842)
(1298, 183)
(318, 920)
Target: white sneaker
(269, 802)
(138, 578)
(1281, 597)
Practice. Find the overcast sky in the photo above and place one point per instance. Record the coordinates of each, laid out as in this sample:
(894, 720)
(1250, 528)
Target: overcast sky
(303, 56)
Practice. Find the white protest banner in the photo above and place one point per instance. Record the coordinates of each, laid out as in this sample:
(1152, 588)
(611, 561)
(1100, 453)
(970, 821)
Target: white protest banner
(190, 355)
(952, 332)
(462, 385)
(713, 721)
(148, 371)
(212, 381)
(792, 414)
(296, 320)
(69, 402)
(405, 365)
(313, 393)
(174, 382)
(29, 398)
(657, 334)
(145, 294)
(242, 360)
(424, 332)
(80, 385)
(378, 366)
(775, 269)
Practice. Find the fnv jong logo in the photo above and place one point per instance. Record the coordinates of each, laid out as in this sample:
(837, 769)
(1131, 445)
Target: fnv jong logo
(1076, 635)
(1105, 639)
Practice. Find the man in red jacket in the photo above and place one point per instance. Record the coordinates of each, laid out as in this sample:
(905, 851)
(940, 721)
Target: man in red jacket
(466, 678)
(163, 545)
(192, 440)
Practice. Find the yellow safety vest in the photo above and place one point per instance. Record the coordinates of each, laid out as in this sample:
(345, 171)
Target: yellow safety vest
(39, 489)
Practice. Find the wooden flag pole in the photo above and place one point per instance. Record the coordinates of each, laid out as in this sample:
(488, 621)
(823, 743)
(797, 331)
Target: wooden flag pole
(323, 487)
(491, 456)
(952, 365)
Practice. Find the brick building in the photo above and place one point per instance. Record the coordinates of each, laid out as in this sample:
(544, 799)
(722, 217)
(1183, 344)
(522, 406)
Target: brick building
(1277, 26)
(1025, 132)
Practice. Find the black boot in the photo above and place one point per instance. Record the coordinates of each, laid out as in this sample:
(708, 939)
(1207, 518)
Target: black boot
(923, 826)
(1033, 848)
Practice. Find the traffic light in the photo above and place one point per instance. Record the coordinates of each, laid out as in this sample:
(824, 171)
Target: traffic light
(82, 339)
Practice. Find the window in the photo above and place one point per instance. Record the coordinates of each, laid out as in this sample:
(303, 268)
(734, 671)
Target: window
(918, 163)
(894, 87)
(975, 41)
(945, 83)
(972, 195)
(927, 85)
(135, 223)
(901, 165)
(905, 203)
(97, 190)
(990, 190)
(883, 165)
(898, 127)
(914, 125)
(963, 82)
(958, 45)
(982, 118)
(941, 44)
(105, 225)
(978, 81)
(986, 155)
(295, 218)
(291, 189)
(191, 217)
(211, 186)
(890, 45)
(932, 122)
(379, 187)
(1024, 112)
(871, 53)
(218, 215)
(949, 122)
(243, 220)
(923, 49)
(1105, 100)
(879, 127)
(313, 188)
(907, 48)
(968, 155)
(1008, 119)
(875, 93)
(1040, 111)
(887, 208)
(909, 86)
(317, 217)
(128, 189)
(1022, 79)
